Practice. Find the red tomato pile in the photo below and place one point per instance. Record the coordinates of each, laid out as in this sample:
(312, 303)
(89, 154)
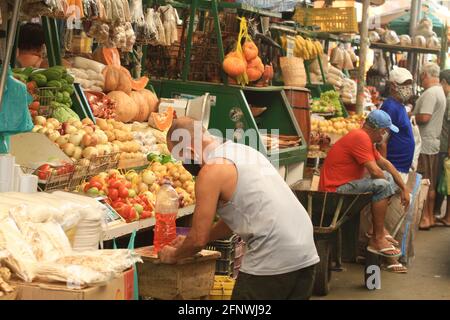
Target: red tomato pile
(45, 171)
(121, 196)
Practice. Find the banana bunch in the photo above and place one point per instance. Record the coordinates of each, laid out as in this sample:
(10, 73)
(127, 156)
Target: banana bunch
(306, 48)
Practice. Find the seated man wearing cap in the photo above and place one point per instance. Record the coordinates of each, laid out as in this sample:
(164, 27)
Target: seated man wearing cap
(344, 172)
(399, 148)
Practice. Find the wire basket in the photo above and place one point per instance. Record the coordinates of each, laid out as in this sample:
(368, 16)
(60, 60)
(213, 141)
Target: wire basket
(79, 176)
(47, 95)
(103, 163)
(52, 180)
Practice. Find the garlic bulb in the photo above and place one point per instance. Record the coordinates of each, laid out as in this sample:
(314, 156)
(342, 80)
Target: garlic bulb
(433, 43)
(391, 37)
(405, 40)
(374, 36)
(420, 41)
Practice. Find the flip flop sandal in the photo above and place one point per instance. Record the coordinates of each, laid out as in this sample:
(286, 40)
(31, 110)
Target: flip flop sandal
(381, 252)
(392, 267)
(388, 237)
(442, 223)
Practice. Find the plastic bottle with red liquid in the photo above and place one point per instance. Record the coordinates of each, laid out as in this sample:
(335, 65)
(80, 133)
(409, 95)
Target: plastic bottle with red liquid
(166, 211)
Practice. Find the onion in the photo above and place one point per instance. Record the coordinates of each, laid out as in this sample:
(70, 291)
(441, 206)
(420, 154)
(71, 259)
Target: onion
(72, 120)
(42, 130)
(102, 124)
(88, 130)
(90, 152)
(84, 162)
(54, 122)
(75, 138)
(148, 177)
(87, 140)
(87, 121)
(102, 137)
(69, 149)
(77, 153)
(50, 126)
(36, 128)
(77, 124)
(54, 136)
(70, 129)
(40, 120)
(62, 140)
(101, 149)
(142, 187)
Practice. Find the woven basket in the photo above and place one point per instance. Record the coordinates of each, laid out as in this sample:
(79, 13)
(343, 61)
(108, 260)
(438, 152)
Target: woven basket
(293, 70)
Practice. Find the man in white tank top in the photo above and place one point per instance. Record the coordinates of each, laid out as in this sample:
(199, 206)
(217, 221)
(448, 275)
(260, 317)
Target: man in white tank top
(252, 200)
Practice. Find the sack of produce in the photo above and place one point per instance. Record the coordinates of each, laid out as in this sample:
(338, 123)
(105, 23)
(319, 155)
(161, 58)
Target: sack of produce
(391, 37)
(405, 40)
(433, 43)
(420, 41)
(374, 37)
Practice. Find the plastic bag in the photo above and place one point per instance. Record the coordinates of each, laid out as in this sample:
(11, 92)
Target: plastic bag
(14, 115)
(442, 184)
(21, 258)
(417, 141)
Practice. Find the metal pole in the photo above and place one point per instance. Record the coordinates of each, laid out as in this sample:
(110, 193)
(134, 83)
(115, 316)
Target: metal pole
(187, 59)
(362, 56)
(416, 6)
(9, 47)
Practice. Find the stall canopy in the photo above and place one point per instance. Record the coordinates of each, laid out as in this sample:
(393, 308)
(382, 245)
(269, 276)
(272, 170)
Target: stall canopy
(401, 24)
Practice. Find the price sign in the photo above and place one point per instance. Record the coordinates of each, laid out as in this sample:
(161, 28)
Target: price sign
(110, 214)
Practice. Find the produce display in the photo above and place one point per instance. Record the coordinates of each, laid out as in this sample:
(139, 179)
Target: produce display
(328, 103)
(133, 194)
(51, 90)
(88, 73)
(101, 105)
(306, 49)
(84, 140)
(339, 126)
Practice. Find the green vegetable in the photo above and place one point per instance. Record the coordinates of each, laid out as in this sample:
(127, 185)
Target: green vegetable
(55, 84)
(20, 77)
(40, 79)
(166, 159)
(153, 157)
(60, 97)
(59, 69)
(62, 113)
(69, 78)
(27, 71)
(63, 82)
(18, 70)
(66, 97)
(163, 159)
(53, 74)
(68, 88)
(46, 94)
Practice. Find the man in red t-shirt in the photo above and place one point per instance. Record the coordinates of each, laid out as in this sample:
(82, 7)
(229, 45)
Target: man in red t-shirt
(344, 172)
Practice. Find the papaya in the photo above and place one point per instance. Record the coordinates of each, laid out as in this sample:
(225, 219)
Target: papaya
(161, 120)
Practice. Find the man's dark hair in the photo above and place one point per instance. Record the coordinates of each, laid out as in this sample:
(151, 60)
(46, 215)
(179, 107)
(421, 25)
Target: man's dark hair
(31, 36)
(445, 75)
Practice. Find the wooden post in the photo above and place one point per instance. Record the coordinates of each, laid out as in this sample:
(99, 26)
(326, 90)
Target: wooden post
(362, 56)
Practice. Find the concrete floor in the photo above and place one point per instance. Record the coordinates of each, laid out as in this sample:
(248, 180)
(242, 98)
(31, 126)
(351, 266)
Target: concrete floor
(428, 277)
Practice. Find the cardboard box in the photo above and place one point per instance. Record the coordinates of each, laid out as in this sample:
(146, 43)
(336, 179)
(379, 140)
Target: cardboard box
(120, 288)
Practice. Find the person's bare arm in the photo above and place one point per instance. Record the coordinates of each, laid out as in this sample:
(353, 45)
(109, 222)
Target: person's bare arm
(220, 231)
(375, 171)
(389, 167)
(207, 192)
(422, 118)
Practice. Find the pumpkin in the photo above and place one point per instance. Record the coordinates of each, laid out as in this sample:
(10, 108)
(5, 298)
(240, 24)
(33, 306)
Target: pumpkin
(234, 64)
(151, 99)
(255, 69)
(250, 50)
(116, 79)
(161, 121)
(126, 108)
(144, 109)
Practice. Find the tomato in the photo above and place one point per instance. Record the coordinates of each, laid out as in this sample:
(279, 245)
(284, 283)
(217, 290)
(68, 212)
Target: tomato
(128, 185)
(146, 214)
(125, 211)
(132, 214)
(123, 192)
(113, 194)
(117, 204)
(62, 170)
(33, 113)
(34, 106)
(116, 184)
(44, 172)
(87, 187)
(96, 184)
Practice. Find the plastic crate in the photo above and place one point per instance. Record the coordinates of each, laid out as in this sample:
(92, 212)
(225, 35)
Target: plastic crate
(232, 251)
(223, 288)
(334, 20)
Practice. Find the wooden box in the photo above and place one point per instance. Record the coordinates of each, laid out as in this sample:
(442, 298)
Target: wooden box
(191, 278)
(299, 99)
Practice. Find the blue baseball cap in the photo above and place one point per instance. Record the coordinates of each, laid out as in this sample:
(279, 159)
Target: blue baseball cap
(381, 120)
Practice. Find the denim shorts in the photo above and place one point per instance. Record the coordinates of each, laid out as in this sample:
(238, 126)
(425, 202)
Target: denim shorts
(380, 188)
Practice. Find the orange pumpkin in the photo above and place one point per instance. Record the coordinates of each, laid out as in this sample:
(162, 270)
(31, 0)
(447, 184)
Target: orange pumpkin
(141, 102)
(161, 121)
(234, 64)
(151, 100)
(126, 108)
(255, 69)
(250, 50)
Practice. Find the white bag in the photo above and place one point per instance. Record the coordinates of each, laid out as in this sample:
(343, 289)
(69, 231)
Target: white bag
(417, 141)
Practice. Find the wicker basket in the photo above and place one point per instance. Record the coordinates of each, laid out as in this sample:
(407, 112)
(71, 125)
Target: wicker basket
(293, 70)
(334, 20)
